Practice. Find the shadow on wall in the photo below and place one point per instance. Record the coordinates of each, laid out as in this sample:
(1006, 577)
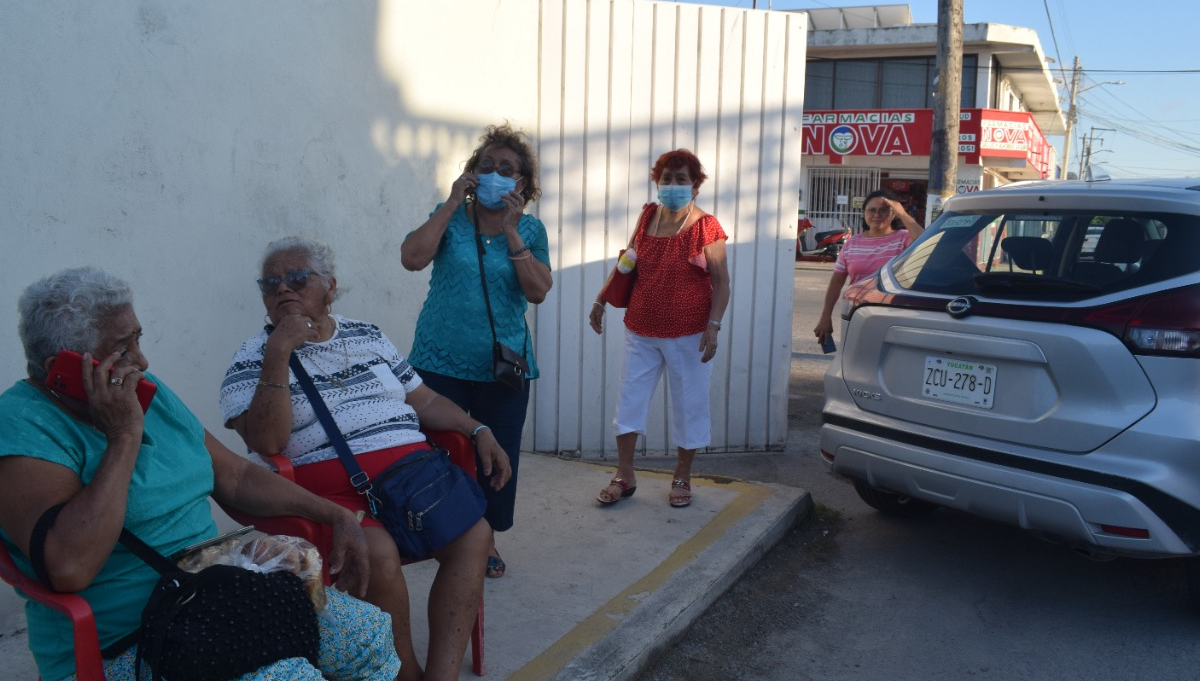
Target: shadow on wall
(169, 144)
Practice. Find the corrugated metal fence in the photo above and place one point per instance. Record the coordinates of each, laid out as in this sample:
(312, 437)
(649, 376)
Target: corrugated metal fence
(620, 83)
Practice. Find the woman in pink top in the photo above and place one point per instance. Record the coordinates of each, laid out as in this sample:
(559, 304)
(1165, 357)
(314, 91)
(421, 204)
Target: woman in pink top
(889, 230)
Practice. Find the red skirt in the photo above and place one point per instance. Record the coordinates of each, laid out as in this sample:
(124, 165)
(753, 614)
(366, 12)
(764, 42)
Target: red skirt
(329, 480)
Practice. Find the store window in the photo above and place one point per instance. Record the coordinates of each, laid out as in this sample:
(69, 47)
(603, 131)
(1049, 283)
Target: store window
(894, 83)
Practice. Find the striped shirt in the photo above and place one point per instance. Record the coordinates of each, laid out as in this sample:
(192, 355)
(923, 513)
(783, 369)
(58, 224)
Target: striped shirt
(362, 378)
(863, 255)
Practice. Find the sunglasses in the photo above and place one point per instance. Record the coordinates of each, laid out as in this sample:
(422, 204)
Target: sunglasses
(504, 169)
(296, 281)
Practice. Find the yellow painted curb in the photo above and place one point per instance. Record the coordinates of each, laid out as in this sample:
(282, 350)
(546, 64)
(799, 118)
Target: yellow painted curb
(606, 618)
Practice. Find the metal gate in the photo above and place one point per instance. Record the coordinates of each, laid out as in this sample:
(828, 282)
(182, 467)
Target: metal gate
(836, 196)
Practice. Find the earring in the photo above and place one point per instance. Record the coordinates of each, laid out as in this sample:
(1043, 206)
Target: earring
(267, 319)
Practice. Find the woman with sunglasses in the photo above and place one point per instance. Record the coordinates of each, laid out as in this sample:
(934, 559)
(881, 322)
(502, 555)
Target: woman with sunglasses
(887, 230)
(379, 405)
(483, 220)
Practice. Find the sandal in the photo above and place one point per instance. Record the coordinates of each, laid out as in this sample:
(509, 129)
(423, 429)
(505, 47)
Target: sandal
(680, 500)
(495, 566)
(627, 490)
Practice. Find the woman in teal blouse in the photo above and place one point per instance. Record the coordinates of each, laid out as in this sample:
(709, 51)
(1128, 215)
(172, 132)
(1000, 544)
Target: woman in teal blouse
(452, 350)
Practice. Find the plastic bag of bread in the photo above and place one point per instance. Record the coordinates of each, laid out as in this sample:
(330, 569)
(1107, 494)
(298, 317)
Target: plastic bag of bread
(265, 553)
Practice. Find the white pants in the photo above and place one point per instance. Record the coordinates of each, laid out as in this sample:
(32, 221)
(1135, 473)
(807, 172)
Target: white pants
(687, 382)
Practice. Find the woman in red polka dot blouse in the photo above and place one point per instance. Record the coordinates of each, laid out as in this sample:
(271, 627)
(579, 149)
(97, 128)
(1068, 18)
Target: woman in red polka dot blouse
(671, 324)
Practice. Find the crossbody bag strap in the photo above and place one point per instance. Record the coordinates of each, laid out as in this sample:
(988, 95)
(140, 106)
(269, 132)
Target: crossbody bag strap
(483, 281)
(482, 277)
(358, 477)
(141, 549)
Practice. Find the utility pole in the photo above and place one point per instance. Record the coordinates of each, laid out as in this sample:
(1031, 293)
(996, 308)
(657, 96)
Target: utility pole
(943, 152)
(1085, 158)
(1071, 116)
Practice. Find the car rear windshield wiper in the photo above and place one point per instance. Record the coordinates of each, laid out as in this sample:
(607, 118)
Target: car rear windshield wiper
(1023, 282)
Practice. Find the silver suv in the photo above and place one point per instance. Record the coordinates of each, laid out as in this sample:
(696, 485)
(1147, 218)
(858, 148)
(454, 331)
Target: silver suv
(1034, 358)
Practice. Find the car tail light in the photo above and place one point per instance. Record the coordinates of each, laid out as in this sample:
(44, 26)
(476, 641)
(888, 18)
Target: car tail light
(1134, 532)
(1166, 323)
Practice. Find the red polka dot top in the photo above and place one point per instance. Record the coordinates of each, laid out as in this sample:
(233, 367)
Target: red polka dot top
(673, 293)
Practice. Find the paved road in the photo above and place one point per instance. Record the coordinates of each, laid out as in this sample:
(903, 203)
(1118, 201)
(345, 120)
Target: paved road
(851, 594)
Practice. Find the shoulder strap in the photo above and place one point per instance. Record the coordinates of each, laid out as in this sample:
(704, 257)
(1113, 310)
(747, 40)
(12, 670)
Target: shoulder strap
(483, 281)
(147, 553)
(643, 221)
(358, 478)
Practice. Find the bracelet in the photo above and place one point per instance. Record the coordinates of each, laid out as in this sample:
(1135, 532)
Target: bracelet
(477, 429)
(599, 304)
(269, 384)
(519, 251)
(715, 323)
(523, 257)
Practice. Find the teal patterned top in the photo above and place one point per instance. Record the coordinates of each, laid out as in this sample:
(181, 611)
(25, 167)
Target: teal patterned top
(452, 335)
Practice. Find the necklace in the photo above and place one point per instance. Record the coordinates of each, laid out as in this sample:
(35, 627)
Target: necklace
(345, 359)
(73, 415)
(487, 238)
(679, 229)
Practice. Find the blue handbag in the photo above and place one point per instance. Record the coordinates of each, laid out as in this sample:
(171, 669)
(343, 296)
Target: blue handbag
(426, 502)
(423, 500)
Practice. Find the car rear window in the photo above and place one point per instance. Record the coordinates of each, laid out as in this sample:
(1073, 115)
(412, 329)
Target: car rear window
(1064, 255)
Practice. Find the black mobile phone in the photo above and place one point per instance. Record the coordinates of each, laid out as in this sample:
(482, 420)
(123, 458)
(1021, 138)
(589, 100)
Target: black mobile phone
(828, 346)
(66, 377)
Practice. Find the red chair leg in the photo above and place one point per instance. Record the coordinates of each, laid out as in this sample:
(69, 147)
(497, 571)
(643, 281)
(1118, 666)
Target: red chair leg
(477, 642)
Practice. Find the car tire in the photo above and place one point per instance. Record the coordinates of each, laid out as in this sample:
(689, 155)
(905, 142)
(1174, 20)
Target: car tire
(1191, 570)
(891, 503)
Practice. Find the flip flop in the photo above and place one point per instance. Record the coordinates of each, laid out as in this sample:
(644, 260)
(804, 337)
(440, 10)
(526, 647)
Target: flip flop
(681, 500)
(627, 490)
(495, 567)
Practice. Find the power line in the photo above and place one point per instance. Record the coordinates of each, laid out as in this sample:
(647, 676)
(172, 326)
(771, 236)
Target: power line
(1062, 69)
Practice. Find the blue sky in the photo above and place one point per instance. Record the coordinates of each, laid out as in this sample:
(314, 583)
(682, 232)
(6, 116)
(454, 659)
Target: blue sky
(1154, 116)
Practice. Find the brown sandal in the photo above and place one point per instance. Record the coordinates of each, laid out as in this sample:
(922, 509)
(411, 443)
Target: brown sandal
(627, 490)
(680, 500)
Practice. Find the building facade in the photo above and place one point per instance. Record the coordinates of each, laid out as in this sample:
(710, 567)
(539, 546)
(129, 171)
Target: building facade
(868, 111)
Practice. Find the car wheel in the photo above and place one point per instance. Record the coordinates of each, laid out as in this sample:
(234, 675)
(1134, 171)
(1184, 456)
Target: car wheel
(892, 503)
(1191, 569)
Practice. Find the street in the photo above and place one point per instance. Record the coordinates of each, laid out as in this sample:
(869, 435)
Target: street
(852, 594)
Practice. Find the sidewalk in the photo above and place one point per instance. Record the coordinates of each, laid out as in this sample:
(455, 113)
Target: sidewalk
(591, 593)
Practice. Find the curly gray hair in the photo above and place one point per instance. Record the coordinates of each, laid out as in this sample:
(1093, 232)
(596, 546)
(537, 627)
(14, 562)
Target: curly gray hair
(67, 311)
(318, 253)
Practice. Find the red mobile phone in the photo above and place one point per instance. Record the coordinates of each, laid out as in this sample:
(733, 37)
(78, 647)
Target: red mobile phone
(65, 377)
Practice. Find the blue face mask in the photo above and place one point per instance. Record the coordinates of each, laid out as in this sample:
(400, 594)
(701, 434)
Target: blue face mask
(492, 188)
(674, 196)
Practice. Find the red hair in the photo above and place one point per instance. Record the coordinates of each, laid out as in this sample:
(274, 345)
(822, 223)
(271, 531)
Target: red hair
(680, 158)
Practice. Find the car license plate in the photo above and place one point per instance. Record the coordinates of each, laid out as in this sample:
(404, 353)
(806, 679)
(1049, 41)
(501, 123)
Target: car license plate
(960, 382)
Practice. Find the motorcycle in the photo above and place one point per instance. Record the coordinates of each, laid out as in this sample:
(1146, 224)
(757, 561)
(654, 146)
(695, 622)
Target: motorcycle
(828, 244)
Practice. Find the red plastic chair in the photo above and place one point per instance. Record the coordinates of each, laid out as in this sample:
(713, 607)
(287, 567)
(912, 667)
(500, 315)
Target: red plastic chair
(88, 664)
(462, 453)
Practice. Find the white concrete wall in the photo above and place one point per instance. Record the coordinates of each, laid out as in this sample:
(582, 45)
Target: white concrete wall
(170, 141)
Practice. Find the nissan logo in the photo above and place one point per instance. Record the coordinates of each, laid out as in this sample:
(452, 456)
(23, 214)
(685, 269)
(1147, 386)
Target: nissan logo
(960, 307)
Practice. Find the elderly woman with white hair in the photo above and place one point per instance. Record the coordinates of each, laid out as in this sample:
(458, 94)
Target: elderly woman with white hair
(74, 473)
(379, 404)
